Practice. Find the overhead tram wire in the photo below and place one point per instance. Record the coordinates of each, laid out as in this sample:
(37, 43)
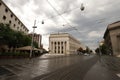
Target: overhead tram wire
(56, 11)
(62, 16)
(59, 14)
(64, 12)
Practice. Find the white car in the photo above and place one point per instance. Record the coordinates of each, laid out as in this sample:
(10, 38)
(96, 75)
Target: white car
(86, 54)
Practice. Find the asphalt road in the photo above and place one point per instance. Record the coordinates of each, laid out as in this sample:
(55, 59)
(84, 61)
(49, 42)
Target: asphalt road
(58, 67)
(75, 71)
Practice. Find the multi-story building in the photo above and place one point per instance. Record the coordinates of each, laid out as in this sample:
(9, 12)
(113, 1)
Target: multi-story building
(37, 38)
(112, 38)
(63, 43)
(8, 17)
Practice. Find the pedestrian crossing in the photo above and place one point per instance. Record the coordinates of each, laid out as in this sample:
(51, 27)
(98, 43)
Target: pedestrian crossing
(20, 71)
(11, 70)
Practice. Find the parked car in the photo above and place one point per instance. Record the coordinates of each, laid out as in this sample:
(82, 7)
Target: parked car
(86, 54)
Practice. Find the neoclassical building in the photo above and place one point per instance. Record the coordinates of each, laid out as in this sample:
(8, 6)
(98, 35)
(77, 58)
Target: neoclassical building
(8, 17)
(112, 38)
(63, 43)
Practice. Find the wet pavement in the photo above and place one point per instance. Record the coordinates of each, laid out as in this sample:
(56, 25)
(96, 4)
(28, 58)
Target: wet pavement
(99, 72)
(112, 63)
(75, 71)
(26, 69)
(61, 67)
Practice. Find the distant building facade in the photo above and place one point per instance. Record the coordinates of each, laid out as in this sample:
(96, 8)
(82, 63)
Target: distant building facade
(8, 17)
(112, 38)
(63, 43)
(37, 38)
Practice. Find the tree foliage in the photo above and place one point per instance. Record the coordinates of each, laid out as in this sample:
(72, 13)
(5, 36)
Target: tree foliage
(102, 49)
(12, 38)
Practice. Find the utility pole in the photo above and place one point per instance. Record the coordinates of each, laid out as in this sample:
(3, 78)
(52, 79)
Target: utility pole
(32, 48)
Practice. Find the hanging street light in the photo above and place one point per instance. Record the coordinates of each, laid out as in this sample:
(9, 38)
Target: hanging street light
(82, 7)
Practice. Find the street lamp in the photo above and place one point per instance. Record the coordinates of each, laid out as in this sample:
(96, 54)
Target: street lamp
(82, 7)
(32, 39)
(32, 48)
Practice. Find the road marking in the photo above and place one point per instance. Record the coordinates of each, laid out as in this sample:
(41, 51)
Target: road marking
(118, 75)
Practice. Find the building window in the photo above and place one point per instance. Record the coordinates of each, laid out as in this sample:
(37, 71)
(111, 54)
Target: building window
(15, 19)
(4, 17)
(58, 51)
(17, 28)
(9, 21)
(11, 15)
(0, 4)
(21, 25)
(55, 43)
(14, 25)
(6, 10)
(19, 22)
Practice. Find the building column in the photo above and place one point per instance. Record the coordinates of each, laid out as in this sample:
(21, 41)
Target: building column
(50, 47)
(65, 47)
(53, 49)
(57, 47)
(60, 48)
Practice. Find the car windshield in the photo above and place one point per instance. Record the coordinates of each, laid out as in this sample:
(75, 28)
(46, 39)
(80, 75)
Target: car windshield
(59, 40)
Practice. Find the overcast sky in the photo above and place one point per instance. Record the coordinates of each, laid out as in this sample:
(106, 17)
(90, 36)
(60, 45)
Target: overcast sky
(88, 26)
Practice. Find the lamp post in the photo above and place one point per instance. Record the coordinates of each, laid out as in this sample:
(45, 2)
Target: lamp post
(32, 48)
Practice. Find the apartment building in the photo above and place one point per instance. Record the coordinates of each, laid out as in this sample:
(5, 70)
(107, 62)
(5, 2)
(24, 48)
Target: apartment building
(8, 17)
(37, 38)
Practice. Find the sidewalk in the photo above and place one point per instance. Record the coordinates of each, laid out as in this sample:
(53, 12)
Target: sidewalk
(99, 72)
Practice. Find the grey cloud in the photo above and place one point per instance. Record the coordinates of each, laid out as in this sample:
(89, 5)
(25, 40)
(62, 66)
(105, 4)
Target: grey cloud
(17, 4)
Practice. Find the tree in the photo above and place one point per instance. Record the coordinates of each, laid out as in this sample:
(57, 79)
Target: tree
(80, 49)
(103, 49)
(12, 38)
(5, 34)
(35, 44)
(97, 50)
(87, 49)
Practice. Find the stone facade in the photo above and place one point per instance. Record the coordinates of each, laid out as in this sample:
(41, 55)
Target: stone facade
(8, 17)
(112, 38)
(63, 43)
